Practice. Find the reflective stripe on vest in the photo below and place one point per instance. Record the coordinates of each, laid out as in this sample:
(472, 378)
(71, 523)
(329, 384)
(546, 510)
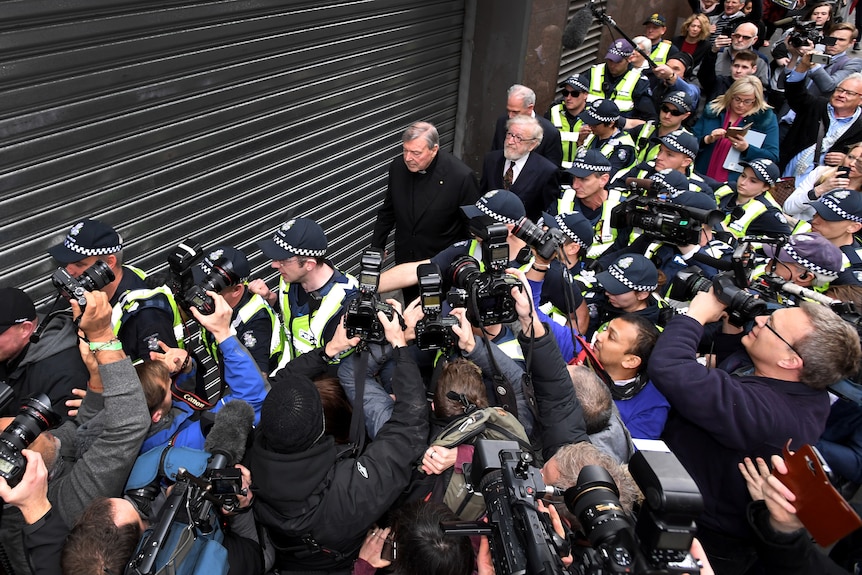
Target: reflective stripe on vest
(659, 54)
(623, 93)
(568, 134)
(605, 234)
(244, 315)
(644, 149)
(131, 301)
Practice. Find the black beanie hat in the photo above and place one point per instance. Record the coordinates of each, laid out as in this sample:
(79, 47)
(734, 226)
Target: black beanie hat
(291, 417)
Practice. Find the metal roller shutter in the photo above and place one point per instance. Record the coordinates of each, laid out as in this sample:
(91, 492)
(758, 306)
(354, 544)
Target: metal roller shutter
(210, 119)
(580, 59)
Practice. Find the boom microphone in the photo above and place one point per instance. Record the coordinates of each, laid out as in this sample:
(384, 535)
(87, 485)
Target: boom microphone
(577, 29)
(229, 434)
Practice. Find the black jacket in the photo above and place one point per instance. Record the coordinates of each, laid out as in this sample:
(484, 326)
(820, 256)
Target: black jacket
(425, 208)
(318, 496)
(551, 146)
(537, 185)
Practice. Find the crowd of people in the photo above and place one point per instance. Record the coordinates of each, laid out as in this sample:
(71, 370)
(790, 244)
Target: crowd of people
(670, 252)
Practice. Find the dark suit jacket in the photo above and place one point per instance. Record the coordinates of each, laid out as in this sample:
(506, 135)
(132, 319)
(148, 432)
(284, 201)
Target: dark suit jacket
(537, 185)
(551, 146)
(425, 208)
(810, 109)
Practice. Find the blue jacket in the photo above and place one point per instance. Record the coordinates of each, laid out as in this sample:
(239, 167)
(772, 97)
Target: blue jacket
(246, 383)
(764, 122)
(644, 414)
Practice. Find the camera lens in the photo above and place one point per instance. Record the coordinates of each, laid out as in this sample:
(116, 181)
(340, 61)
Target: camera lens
(96, 276)
(463, 270)
(595, 500)
(221, 276)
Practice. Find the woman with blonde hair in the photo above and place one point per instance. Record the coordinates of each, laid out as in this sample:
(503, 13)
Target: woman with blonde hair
(743, 105)
(823, 179)
(694, 38)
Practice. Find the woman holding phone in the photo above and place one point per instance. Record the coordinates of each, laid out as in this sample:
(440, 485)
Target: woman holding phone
(722, 128)
(823, 179)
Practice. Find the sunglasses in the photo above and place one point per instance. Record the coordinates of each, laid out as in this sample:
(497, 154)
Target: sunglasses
(675, 113)
(572, 93)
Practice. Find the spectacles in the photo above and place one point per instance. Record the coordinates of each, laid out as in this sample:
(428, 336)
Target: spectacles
(285, 261)
(518, 139)
(675, 113)
(739, 100)
(741, 37)
(840, 90)
(572, 93)
(768, 326)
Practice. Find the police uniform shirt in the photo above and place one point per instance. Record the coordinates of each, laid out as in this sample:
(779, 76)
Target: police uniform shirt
(644, 107)
(623, 154)
(772, 222)
(141, 331)
(851, 272)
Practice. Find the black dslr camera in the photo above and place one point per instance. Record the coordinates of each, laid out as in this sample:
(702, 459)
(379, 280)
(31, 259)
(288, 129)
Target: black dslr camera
(546, 243)
(35, 417)
(434, 331)
(361, 317)
(94, 278)
(487, 295)
(181, 280)
(804, 32)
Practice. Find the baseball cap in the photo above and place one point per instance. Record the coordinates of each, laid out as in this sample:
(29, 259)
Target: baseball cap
(681, 141)
(238, 262)
(298, 237)
(670, 182)
(502, 206)
(764, 170)
(840, 204)
(15, 307)
(86, 238)
(630, 272)
(589, 162)
(579, 82)
(656, 19)
(576, 227)
(601, 111)
(811, 251)
(619, 51)
(699, 200)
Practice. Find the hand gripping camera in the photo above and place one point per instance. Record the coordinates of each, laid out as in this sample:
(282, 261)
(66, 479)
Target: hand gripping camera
(546, 243)
(361, 317)
(94, 278)
(181, 280)
(434, 331)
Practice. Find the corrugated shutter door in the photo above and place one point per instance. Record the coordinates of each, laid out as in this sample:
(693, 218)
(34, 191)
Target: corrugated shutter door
(215, 120)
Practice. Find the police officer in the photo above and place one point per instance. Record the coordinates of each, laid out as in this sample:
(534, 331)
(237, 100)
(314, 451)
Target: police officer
(750, 208)
(143, 315)
(616, 79)
(564, 116)
(675, 151)
(311, 290)
(256, 324)
(838, 217)
(614, 144)
(676, 107)
(654, 28)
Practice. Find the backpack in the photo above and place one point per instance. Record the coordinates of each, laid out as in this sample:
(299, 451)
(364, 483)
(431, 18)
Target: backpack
(452, 488)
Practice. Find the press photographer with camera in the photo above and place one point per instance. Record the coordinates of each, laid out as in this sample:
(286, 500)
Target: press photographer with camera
(30, 364)
(315, 501)
(773, 392)
(311, 290)
(145, 315)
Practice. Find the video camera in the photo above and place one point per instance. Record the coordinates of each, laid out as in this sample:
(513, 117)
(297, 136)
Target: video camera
(36, 416)
(94, 278)
(487, 295)
(523, 541)
(434, 331)
(663, 220)
(805, 31)
(181, 279)
(361, 317)
(546, 243)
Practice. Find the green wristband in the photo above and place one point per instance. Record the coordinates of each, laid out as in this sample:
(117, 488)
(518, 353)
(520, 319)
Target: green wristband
(113, 345)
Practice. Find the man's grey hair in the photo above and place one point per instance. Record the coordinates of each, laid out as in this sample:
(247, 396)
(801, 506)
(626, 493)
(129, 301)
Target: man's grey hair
(854, 76)
(424, 130)
(531, 124)
(527, 96)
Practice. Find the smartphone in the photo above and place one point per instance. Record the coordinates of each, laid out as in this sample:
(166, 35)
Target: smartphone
(842, 172)
(822, 59)
(738, 130)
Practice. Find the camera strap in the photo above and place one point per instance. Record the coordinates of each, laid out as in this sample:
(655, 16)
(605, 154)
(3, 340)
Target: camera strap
(357, 419)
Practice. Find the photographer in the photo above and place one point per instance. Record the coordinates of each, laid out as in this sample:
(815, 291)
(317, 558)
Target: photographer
(144, 315)
(718, 417)
(318, 520)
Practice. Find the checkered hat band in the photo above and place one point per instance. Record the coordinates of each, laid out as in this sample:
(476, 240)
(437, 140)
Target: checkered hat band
(620, 276)
(298, 251)
(674, 144)
(620, 53)
(79, 249)
(667, 186)
(489, 212)
(761, 171)
(678, 102)
(603, 119)
(835, 207)
(808, 264)
(566, 230)
(590, 167)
